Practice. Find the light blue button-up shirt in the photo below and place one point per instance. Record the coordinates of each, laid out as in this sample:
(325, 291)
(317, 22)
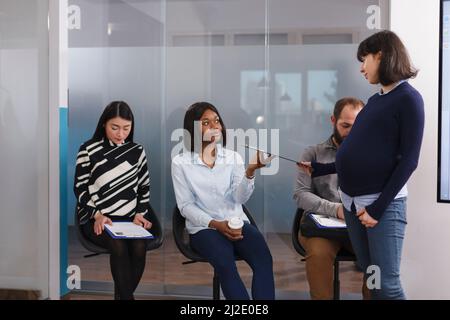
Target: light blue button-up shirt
(366, 200)
(204, 193)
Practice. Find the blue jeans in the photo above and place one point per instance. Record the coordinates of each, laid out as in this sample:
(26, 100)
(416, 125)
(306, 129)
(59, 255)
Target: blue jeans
(381, 246)
(220, 252)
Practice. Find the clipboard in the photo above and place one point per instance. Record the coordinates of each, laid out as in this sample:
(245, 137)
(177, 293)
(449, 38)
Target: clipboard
(314, 225)
(127, 230)
(328, 222)
(272, 154)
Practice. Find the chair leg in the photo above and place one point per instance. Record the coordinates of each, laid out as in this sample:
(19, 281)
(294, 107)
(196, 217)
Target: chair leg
(216, 287)
(336, 283)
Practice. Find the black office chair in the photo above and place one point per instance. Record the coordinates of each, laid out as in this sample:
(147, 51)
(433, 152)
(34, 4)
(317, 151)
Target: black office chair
(183, 243)
(96, 250)
(343, 254)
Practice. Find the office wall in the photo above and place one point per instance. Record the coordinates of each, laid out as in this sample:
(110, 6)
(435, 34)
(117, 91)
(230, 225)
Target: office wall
(426, 256)
(24, 145)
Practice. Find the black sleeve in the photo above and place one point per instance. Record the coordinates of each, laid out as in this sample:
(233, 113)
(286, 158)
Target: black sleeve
(322, 169)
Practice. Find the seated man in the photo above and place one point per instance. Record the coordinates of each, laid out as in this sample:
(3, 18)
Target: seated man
(321, 196)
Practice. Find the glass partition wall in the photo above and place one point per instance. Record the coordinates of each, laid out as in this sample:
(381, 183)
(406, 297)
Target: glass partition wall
(273, 68)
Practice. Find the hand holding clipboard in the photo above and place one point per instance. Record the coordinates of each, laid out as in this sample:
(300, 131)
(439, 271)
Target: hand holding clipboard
(272, 155)
(305, 166)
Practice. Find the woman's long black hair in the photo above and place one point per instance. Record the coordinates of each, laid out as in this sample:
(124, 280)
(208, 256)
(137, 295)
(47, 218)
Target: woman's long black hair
(114, 109)
(194, 113)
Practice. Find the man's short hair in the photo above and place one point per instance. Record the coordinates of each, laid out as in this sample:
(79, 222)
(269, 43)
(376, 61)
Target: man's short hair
(341, 103)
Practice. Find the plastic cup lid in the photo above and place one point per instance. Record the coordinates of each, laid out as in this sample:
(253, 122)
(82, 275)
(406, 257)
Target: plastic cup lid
(235, 223)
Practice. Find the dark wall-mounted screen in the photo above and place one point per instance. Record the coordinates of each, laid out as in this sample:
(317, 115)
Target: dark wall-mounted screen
(444, 105)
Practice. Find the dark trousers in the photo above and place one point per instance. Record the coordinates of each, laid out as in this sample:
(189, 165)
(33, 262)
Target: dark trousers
(220, 252)
(127, 259)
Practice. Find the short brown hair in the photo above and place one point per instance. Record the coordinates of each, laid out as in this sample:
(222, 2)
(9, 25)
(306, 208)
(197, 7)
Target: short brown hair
(341, 103)
(395, 64)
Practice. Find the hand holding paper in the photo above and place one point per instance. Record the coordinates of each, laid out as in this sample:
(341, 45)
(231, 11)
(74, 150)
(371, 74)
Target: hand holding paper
(265, 160)
(258, 161)
(306, 167)
(261, 159)
(100, 222)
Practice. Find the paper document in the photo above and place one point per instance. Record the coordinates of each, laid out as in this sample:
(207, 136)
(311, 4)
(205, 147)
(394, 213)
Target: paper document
(127, 230)
(328, 222)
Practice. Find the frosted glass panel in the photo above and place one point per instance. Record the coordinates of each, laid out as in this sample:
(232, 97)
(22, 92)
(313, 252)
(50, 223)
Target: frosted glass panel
(266, 65)
(24, 144)
(321, 72)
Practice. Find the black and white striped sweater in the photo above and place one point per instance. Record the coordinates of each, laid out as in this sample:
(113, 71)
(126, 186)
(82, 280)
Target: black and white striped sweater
(112, 179)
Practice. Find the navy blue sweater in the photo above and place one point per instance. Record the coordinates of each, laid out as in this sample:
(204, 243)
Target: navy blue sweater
(382, 150)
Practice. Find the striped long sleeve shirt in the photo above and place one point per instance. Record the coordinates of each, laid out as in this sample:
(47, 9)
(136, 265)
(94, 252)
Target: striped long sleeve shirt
(112, 179)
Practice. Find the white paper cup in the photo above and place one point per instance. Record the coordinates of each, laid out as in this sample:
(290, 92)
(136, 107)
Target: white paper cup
(235, 223)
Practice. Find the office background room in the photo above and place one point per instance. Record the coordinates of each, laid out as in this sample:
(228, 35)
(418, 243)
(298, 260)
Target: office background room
(278, 64)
